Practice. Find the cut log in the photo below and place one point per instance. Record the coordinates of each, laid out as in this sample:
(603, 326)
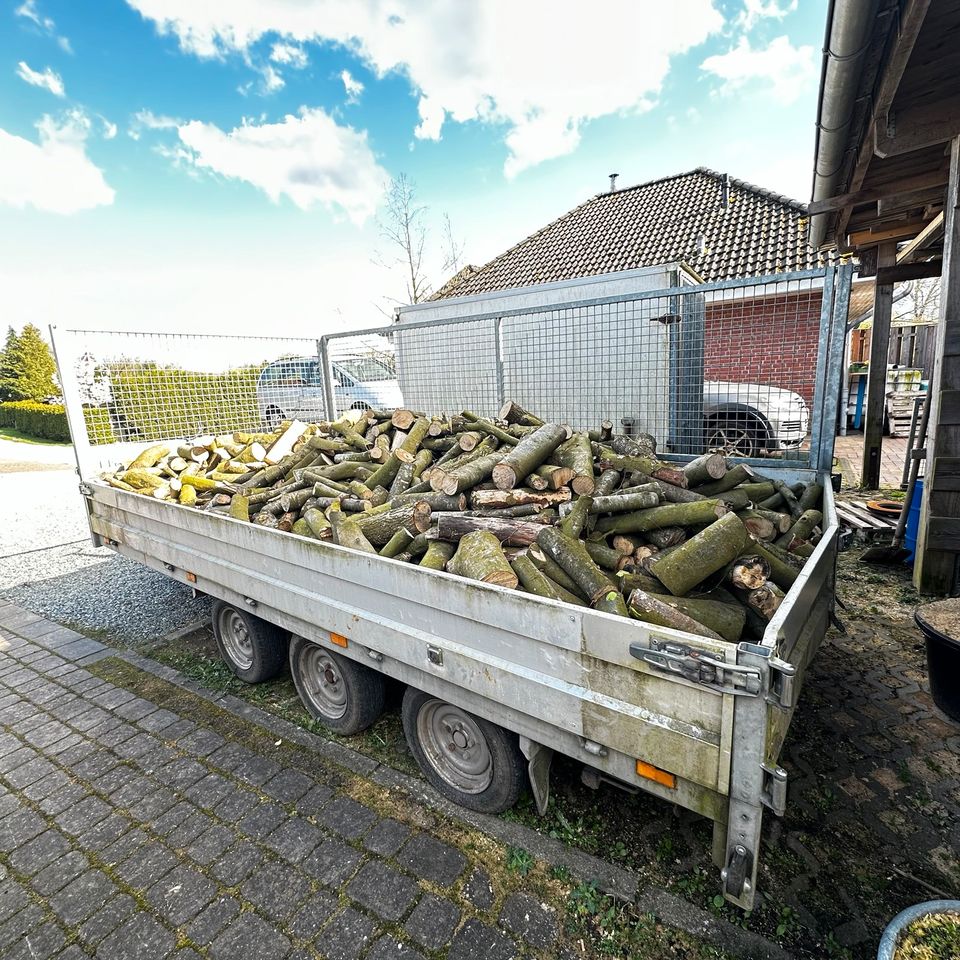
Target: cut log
(757, 526)
(151, 456)
(437, 555)
(642, 445)
(437, 501)
(284, 443)
(622, 502)
(468, 441)
(781, 522)
(572, 556)
(577, 455)
(553, 570)
(469, 475)
(527, 455)
(239, 507)
(319, 525)
(487, 426)
(665, 515)
(766, 600)
(649, 466)
(749, 572)
(517, 497)
(741, 473)
(512, 412)
(671, 493)
(705, 469)
(638, 581)
(802, 529)
(682, 568)
(516, 533)
(397, 543)
(666, 537)
(727, 619)
(811, 498)
(556, 477)
(607, 482)
(402, 418)
(480, 557)
(646, 607)
(757, 491)
(604, 556)
(535, 581)
(347, 533)
(790, 499)
(612, 602)
(378, 528)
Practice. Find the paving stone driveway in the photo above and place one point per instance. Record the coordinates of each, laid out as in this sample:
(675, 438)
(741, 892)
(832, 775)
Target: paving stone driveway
(128, 831)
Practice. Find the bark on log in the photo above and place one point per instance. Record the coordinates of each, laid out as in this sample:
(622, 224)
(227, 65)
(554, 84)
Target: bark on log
(749, 572)
(149, 457)
(239, 507)
(517, 497)
(318, 523)
(622, 502)
(463, 478)
(553, 570)
(527, 455)
(347, 533)
(397, 543)
(576, 519)
(607, 483)
(535, 581)
(649, 466)
(665, 515)
(402, 481)
(758, 491)
(727, 619)
(638, 581)
(766, 600)
(512, 412)
(556, 477)
(642, 445)
(612, 602)
(666, 537)
(757, 526)
(741, 473)
(572, 556)
(790, 499)
(710, 550)
(811, 497)
(577, 455)
(781, 522)
(480, 557)
(437, 555)
(735, 499)
(646, 607)
(378, 528)
(486, 426)
(517, 533)
(437, 501)
(802, 529)
(604, 556)
(670, 493)
(705, 469)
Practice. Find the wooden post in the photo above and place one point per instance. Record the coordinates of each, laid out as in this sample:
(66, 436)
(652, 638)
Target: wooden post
(938, 539)
(877, 376)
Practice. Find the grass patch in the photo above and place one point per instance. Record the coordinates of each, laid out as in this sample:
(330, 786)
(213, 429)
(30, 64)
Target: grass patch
(11, 433)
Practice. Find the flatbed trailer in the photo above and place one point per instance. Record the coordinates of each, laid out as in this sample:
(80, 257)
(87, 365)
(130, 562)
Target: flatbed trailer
(696, 722)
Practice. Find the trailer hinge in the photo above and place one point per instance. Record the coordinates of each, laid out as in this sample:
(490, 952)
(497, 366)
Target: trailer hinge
(782, 688)
(85, 489)
(774, 793)
(699, 666)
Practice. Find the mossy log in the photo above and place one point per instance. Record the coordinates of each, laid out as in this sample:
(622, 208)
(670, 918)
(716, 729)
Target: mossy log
(607, 483)
(577, 455)
(623, 502)
(789, 499)
(556, 477)
(487, 426)
(437, 501)
(384, 475)
(407, 450)
(397, 543)
(727, 619)
(553, 570)
(402, 481)
(535, 581)
(465, 477)
(665, 515)
(749, 572)
(741, 473)
(649, 466)
(142, 480)
(239, 507)
(517, 497)
(187, 496)
(801, 530)
(149, 457)
(705, 469)
(666, 537)
(641, 445)
(378, 528)
(811, 498)
(638, 580)
(671, 493)
(735, 499)
(512, 412)
(480, 557)
(605, 556)
(532, 451)
(758, 491)
(437, 554)
(576, 562)
(612, 602)
(516, 533)
(347, 533)
(318, 523)
(302, 529)
(757, 525)
(708, 551)
(646, 607)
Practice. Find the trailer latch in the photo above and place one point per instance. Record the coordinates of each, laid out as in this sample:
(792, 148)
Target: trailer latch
(85, 489)
(699, 666)
(783, 688)
(774, 793)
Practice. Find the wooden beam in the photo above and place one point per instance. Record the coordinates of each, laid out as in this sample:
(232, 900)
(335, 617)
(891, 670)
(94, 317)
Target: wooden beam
(916, 127)
(935, 564)
(932, 231)
(902, 272)
(877, 373)
(923, 181)
(922, 199)
(871, 238)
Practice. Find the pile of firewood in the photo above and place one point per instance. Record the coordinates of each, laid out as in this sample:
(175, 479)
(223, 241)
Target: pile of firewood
(589, 518)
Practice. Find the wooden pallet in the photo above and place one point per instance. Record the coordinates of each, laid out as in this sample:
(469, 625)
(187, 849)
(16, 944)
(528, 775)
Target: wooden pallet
(855, 515)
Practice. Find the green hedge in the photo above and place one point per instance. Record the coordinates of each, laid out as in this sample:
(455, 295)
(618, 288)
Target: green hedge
(46, 421)
(98, 425)
(156, 403)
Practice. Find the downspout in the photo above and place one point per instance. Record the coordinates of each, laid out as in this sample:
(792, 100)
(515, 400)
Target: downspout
(849, 26)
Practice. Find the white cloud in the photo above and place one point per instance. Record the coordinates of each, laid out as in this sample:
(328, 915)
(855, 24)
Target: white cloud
(28, 10)
(109, 129)
(351, 85)
(309, 158)
(785, 70)
(542, 68)
(756, 10)
(54, 175)
(47, 79)
(272, 81)
(148, 120)
(289, 54)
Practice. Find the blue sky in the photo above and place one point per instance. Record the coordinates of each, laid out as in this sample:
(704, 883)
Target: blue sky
(220, 164)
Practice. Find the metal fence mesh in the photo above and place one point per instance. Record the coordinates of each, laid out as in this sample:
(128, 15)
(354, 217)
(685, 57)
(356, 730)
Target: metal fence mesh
(732, 368)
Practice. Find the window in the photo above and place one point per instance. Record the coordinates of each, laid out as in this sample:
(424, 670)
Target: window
(366, 368)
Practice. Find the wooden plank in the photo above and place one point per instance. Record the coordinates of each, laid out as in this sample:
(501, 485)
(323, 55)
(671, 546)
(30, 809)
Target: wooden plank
(932, 231)
(943, 533)
(947, 473)
(934, 569)
(910, 271)
(949, 410)
(919, 126)
(923, 181)
(877, 373)
(872, 237)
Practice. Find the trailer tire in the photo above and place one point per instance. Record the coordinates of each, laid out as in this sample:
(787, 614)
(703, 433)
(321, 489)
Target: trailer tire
(252, 648)
(480, 767)
(344, 696)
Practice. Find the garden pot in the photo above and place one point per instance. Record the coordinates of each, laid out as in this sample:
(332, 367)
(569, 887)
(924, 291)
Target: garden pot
(891, 936)
(940, 623)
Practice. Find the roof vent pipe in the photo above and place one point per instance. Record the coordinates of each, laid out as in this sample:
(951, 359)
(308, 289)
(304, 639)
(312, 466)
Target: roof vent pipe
(725, 192)
(613, 182)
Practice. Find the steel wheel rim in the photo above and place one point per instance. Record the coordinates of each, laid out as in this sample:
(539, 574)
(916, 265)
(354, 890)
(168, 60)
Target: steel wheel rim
(738, 440)
(236, 638)
(323, 682)
(455, 746)
(274, 418)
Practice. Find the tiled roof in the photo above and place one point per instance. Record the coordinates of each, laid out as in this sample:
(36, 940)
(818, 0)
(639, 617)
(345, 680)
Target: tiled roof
(664, 221)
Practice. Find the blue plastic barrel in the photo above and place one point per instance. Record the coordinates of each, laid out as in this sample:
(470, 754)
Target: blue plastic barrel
(913, 520)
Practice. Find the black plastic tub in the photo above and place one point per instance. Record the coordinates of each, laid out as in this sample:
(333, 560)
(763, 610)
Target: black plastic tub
(943, 652)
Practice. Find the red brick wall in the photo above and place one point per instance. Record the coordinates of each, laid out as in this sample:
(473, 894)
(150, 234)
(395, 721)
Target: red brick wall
(769, 340)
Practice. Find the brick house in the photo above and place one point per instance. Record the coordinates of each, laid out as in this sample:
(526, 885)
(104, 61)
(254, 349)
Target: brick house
(718, 227)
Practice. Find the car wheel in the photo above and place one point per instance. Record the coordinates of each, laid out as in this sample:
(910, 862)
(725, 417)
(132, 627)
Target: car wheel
(735, 435)
(254, 649)
(272, 418)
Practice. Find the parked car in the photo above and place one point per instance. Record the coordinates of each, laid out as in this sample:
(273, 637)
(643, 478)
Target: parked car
(294, 387)
(749, 419)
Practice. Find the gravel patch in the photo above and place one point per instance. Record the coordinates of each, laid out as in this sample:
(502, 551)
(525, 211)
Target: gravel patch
(45, 569)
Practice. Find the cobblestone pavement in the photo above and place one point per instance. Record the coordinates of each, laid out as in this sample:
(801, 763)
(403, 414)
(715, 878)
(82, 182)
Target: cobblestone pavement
(849, 452)
(130, 830)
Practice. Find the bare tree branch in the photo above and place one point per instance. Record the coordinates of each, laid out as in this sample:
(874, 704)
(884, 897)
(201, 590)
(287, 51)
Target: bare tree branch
(403, 226)
(452, 248)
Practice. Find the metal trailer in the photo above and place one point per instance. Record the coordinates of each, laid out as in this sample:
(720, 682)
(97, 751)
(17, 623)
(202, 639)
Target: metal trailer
(696, 722)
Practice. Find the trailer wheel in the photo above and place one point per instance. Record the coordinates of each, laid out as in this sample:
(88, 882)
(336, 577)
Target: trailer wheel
(344, 696)
(469, 760)
(252, 648)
